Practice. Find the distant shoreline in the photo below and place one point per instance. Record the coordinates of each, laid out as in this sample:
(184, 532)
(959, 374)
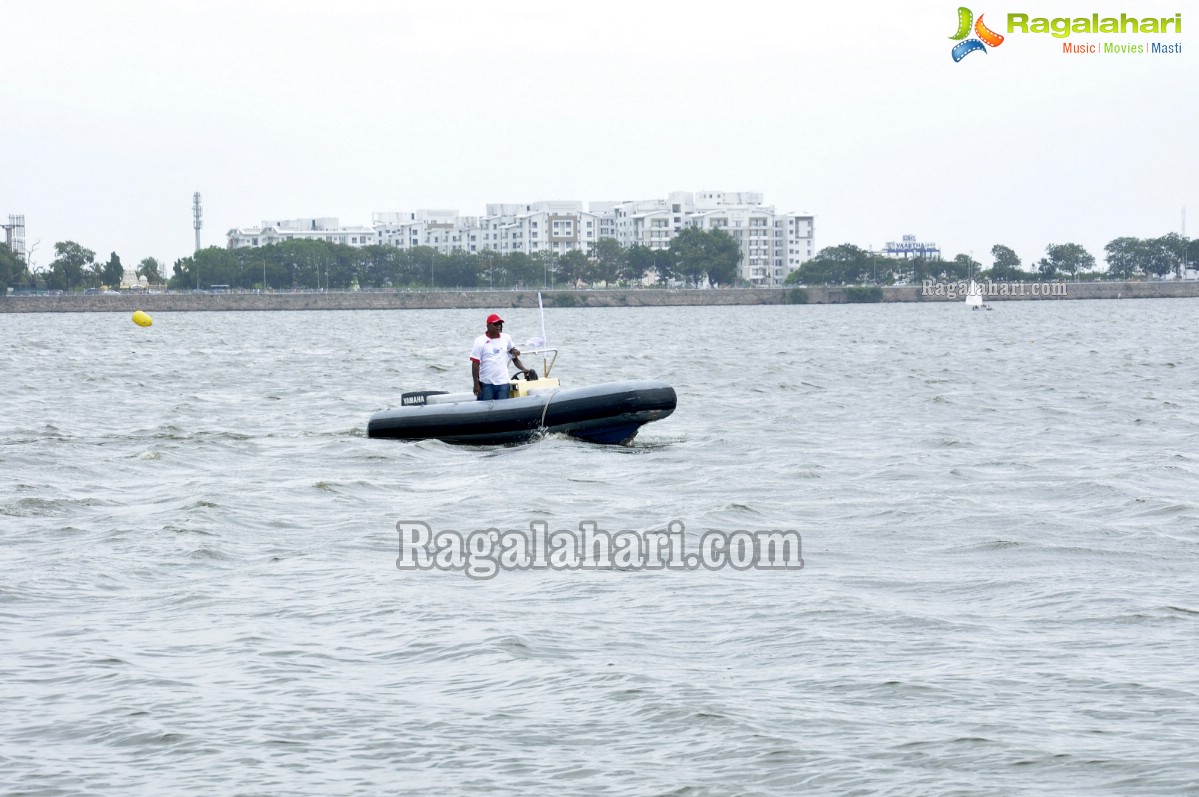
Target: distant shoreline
(639, 297)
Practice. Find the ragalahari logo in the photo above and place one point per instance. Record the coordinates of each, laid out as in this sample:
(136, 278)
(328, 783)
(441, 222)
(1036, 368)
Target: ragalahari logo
(985, 35)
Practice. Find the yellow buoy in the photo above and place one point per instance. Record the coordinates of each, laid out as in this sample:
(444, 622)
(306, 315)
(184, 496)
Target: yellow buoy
(142, 319)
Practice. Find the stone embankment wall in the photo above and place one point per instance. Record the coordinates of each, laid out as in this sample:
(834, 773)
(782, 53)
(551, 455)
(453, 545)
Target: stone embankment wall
(370, 300)
(183, 302)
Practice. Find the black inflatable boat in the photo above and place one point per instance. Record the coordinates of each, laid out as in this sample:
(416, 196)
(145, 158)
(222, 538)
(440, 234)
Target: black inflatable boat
(612, 413)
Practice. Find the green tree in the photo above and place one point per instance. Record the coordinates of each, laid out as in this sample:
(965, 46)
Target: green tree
(1157, 258)
(1069, 259)
(12, 270)
(211, 266)
(547, 264)
(572, 266)
(962, 267)
(458, 269)
(610, 259)
(883, 269)
(1174, 248)
(1124, 257)
(1006, 266)
(70, 265)
(182, 274)
(835, 265)
(687, 255)
(420, 266)
(921, 268)
(412, 267)
(524, 270)
(382, 267)
(819, 271)
(112, 273)
(151, 269)
(491, 265)
(218, 266)
(724, 258)
(705, 255)
(348, 263)
(640, 261)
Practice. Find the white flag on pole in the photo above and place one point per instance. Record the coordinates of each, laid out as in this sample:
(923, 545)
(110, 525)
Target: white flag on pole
(539, 343)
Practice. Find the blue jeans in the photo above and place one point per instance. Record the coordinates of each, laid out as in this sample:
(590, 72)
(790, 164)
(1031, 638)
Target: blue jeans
(492, 392)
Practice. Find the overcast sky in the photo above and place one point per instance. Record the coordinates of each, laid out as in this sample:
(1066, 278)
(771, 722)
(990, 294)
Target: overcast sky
(114, 113)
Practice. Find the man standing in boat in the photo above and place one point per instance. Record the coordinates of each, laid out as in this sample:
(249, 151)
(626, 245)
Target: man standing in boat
(489, 361)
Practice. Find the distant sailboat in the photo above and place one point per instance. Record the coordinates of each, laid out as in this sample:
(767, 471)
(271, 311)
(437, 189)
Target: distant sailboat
(974, 297)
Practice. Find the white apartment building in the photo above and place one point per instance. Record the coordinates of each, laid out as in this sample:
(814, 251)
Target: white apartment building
(553, 226)
(772, 244)
(311, 229)
(443, 230)
(556, 227)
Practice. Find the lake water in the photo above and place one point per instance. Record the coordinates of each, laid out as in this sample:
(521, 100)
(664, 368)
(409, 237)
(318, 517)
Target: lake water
(199, 592)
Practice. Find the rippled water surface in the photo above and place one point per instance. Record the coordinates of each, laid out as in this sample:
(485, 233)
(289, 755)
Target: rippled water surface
(198, 590)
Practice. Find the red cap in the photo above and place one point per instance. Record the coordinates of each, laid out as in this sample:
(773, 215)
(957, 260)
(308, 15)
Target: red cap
(493, 318)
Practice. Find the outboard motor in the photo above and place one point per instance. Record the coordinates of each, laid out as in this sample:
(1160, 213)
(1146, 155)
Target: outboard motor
(418, 398)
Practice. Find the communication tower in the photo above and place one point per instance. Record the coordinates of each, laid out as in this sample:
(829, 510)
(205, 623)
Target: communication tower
(197, 217)
(14, 236)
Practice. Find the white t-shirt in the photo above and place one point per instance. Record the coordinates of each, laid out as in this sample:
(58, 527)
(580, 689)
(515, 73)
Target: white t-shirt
(492, 356)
